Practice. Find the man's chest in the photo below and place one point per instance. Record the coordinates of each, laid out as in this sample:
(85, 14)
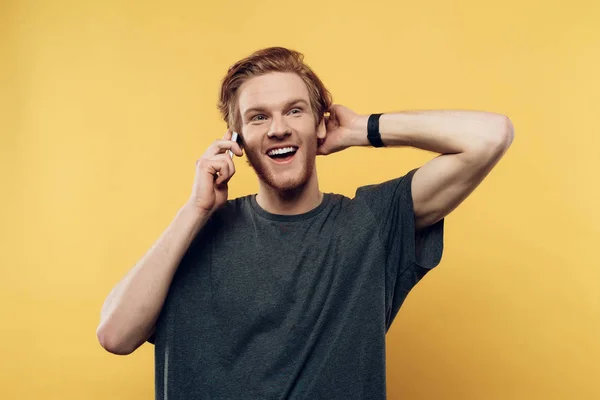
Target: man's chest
(284, 277)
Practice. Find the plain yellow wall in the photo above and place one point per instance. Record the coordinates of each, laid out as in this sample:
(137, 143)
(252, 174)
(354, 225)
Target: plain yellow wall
(105, 106)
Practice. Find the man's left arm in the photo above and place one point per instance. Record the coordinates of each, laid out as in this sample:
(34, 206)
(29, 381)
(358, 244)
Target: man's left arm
(470, 144)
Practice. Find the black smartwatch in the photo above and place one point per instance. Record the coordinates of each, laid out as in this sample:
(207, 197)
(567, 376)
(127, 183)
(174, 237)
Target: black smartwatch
(373, 131)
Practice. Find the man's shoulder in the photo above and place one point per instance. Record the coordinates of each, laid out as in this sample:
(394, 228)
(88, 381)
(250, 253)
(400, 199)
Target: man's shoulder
(378, 195)
(235, 205)
(240, 201)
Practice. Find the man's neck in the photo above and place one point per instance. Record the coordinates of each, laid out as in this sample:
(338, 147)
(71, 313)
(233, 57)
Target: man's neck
(299, 201)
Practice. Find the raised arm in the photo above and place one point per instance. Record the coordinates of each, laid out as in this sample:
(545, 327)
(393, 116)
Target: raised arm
(130, 311)
(470, 144)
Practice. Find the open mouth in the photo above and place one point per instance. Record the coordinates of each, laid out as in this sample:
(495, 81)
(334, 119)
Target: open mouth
(282, 154)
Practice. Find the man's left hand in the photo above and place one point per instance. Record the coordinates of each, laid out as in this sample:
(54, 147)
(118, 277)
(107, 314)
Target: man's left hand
(345, 128)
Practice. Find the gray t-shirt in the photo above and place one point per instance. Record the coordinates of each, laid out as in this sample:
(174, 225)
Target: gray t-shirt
(268, 306)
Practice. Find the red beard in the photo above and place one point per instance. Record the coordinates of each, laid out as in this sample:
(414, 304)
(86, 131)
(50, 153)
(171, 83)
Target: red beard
(304, 165)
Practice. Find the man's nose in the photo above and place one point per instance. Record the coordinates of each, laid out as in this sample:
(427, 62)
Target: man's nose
(278, 128)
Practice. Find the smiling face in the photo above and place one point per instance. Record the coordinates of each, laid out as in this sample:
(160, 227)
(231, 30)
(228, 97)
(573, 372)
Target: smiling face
(279, 130)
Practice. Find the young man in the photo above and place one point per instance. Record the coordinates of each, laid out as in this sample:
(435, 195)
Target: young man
(289, 293)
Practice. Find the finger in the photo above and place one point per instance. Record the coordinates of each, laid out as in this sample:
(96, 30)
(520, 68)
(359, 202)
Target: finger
(333, 116)
(220, 170)
(237, 150)
(221, 146)
(227, 135)
(230, 165)
(330, 125)
(224, 174)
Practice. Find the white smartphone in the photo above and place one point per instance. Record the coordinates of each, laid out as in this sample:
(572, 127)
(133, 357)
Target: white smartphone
(234, 137)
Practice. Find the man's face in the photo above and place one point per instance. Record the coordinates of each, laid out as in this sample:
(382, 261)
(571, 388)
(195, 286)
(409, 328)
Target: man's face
(279, 129)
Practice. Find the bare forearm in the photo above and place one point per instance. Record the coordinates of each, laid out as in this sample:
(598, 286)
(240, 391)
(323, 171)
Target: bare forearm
(131, 309)
(443, 131)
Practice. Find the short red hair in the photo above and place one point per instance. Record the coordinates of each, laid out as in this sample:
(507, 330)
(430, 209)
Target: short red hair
(272, 59)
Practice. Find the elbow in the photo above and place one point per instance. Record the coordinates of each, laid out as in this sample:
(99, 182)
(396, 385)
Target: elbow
(498, 137)
(506, 133)
(110, 342)
(502, 134)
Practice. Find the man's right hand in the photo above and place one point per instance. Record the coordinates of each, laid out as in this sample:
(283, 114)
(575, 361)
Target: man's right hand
(213, 172)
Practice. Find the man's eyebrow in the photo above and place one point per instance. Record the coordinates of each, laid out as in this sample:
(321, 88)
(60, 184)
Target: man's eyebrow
(287, 105)
(295, 101)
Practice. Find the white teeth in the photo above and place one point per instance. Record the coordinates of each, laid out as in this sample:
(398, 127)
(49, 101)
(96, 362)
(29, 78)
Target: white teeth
(283, 150)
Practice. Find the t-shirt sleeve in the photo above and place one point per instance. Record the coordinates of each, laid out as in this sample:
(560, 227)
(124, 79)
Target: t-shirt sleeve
(409, 254)
(152, 338)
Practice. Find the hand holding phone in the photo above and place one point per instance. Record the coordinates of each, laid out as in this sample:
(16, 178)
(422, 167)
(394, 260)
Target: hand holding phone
(213, 171)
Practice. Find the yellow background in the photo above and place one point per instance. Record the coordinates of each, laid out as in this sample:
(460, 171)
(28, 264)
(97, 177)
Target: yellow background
(105, 106)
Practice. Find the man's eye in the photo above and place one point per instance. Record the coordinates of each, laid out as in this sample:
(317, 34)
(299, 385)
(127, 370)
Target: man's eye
(295, 111)
(258, 117)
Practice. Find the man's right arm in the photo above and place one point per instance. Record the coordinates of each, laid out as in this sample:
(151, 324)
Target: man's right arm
(130, 311)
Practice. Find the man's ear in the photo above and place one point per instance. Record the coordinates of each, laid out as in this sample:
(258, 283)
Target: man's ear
(322, 128)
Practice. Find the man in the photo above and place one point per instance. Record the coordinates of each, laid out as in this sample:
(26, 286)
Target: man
(289, 293)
